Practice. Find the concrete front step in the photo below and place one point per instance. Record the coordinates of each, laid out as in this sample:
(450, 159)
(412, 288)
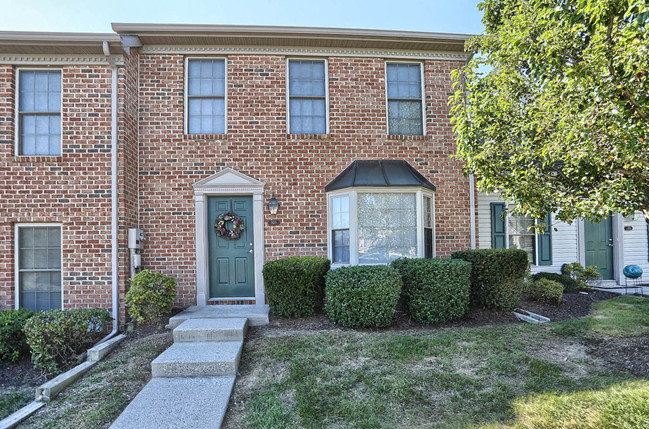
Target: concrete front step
(204, 330)
(257, 315)
(204, 359)
(178, 403)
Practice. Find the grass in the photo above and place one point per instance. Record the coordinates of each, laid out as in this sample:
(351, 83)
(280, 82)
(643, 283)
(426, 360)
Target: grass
(99, 397)
(13, 401)
(501, 377)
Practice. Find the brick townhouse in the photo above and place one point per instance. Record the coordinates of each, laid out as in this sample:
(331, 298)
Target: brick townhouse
(322, 142)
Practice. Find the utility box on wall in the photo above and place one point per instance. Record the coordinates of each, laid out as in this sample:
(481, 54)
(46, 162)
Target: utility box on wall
(135, 238)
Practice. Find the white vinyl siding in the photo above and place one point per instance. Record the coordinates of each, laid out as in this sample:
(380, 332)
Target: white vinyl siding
(564, 238)
(636, 248)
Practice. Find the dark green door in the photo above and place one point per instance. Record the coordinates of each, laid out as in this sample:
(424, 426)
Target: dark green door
(232, 271)
(599, 246)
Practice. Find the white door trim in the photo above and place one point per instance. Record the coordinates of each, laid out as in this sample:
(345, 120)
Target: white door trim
(228, 182)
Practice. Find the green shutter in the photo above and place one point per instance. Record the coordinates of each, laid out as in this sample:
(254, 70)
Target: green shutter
(545, 243)
(498, 226)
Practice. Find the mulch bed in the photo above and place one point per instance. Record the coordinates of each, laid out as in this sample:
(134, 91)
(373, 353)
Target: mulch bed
(624, 354)
(573, 305)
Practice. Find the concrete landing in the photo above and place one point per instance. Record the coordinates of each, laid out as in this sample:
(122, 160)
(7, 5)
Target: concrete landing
(198, 403)
(203, 330)
(257, 315)
(204, 359)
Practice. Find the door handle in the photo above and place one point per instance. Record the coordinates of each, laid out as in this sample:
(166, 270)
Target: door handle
(251, 251)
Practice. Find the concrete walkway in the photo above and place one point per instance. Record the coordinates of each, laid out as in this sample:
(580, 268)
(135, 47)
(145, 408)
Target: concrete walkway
(641, 290)
(192, 379)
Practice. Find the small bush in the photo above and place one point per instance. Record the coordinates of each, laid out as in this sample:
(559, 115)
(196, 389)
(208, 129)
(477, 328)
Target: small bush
(546, 290)
(362, 296)
(436, 290)
(585, 277)
(569, 284)
(150, 296)
(295, 286)
(12, 338)
(496, 276)
(57, 337)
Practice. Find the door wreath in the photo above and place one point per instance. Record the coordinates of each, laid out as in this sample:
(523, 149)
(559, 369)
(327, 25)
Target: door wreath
(229, 234)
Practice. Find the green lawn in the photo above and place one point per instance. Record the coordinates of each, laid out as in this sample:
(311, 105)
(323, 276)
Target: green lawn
(508, 376)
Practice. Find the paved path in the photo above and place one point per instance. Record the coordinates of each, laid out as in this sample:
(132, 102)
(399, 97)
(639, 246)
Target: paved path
(193, 379)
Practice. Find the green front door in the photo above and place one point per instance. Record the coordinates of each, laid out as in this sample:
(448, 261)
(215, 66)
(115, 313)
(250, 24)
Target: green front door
(599, 246)
(231, 261)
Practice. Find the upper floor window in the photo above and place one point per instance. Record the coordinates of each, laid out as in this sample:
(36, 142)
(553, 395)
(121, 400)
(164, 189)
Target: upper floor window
(307, 97)
(39, 112)
(206, 96)
(404, 99)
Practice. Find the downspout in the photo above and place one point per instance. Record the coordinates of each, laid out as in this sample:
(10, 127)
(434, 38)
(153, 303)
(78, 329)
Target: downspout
(114, 231)
(472, 209)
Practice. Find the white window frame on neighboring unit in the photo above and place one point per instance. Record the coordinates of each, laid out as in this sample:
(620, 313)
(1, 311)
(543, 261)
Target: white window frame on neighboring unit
(423, 95)
(352, 193)
(288, 91)
(17, 127)
(186, 91)
(17, 258)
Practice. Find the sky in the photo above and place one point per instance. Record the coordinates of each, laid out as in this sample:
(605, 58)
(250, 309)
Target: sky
(443, 16)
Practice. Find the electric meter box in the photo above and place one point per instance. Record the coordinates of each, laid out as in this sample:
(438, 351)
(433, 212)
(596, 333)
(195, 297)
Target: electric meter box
(135, 238)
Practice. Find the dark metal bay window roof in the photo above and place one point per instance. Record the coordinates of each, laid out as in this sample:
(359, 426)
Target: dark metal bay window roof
(379, 173)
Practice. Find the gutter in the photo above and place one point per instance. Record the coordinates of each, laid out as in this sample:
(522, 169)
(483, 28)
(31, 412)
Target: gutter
(113, 194)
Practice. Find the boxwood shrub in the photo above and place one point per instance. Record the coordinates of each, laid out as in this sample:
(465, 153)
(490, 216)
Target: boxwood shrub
(546, 290)
(57, 337)
(496, 276)
(12, 338)
(295, 286)
(569, 284)
(150, 295)
(435, 290)
(362, 296)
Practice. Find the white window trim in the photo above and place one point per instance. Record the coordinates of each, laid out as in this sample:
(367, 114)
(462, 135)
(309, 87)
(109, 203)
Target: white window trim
(18, 141)
(288, 91)
(17, 262)
(186, 94)
(535, 257)
(423, 95)
(352, 193)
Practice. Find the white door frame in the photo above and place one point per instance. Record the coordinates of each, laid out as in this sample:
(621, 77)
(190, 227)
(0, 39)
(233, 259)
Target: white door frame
(224, 183)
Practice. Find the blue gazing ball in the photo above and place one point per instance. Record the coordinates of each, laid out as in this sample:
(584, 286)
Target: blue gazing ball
(632, 271)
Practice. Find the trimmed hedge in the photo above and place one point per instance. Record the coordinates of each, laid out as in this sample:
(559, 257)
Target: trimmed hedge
(362, 296)
(436, 290)
(13, 344)
(150, 295)
(569, 284)
(295, 286)
(496, 276)
(57, 337)
(546, 290)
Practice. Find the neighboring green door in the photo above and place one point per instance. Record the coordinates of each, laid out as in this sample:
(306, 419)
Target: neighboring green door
(231, 262)
(599, 246)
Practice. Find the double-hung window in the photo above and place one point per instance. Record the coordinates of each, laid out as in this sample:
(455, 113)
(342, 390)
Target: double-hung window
(405, 104)
(206, 96)
(307, 94)
(514, 231)
(39, 112)
(38, 252)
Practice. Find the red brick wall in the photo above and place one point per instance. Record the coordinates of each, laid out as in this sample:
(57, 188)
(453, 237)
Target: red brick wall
(295, 169)
(72, 189)
(159, 164)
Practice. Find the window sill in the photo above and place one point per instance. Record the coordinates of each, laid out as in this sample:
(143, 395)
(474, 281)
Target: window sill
(201, 137)
(43, 159)
(407, 137)
(308, 136)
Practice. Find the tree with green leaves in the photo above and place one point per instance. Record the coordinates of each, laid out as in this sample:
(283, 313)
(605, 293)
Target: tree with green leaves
(553, 109)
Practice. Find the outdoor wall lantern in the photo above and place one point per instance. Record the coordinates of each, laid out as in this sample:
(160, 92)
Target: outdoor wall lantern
(273, 205)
